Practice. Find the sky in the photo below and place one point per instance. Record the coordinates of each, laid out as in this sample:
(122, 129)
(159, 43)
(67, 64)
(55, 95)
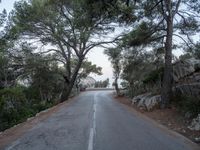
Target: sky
(96, 56)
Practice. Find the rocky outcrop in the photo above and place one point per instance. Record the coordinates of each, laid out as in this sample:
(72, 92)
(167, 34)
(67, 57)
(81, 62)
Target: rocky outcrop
(185, 68)
(147, 101)
(186, 75)
(190, 89)
(195, 124)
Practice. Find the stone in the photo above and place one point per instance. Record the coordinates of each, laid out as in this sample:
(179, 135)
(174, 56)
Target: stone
(147, 101)
(136, 99)
(152, 102)
(195, 124)
(188, 115)
(184, 68)
(192, 89)
(197, 139)
(141, 103)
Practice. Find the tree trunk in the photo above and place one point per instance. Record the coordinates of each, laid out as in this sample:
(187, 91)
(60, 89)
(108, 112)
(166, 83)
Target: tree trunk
(65, 92)
(117, 87)
(166, 90)
(68, 85)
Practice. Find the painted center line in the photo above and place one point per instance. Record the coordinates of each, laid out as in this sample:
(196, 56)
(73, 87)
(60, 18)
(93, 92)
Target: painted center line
(93, 128)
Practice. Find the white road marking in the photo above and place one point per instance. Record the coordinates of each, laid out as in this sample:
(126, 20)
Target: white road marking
(13, 145)
(93, 128)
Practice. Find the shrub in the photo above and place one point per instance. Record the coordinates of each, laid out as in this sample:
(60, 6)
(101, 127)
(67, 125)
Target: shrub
(153, 76)
(13, 108)
(188, 104)
(19, 103)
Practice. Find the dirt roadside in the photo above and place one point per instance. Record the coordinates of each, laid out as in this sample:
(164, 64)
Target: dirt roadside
(17, 131)
(169, 118)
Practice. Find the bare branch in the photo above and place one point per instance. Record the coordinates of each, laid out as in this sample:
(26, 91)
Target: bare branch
(177, 7)
(163, 10)
(50, 50)
(89, 47)
(182, 39)
(155, 5)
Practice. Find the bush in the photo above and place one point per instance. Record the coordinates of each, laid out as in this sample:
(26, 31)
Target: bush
(13, 107)
(154, 76)
(19, 103)
(188, 104)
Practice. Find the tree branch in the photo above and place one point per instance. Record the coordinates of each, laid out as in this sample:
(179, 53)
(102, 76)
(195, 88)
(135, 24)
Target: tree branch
(177, 7)
(89, 47)
(182, 40)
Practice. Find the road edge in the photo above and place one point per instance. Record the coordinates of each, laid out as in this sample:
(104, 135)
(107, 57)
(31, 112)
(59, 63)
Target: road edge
(160, 126)
(15, 132)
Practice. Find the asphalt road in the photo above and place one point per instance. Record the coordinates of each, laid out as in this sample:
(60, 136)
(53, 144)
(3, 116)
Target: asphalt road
(94, 121)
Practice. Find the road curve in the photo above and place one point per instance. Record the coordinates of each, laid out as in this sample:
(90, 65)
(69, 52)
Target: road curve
(94, 121)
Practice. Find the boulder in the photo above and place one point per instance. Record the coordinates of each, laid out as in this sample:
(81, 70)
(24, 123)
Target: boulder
(147, 101)
(142, 101)
(195, 124)
(136, 99)
(152, 102)
(192, 89)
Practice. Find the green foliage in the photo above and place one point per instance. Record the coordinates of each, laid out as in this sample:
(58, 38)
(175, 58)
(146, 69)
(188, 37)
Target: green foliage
(12, 107)
(102, 84)
(153, 76)
(19, 103)
(138, 36)
(187, 104)
(115, 56)
(194, 50)
(88, 68)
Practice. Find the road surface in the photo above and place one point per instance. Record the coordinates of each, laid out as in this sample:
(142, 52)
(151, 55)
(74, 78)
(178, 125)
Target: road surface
(94, 121)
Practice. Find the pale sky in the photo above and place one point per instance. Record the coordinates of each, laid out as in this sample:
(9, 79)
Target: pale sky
(96, 56)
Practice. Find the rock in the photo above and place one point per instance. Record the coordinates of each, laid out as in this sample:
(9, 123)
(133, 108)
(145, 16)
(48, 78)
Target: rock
(152, 102)
(124, 92)
(183, 131)
(197, 139)
(188, 115)
(30, 118)
(195, 124)
(141, 103)
(136, 99)
(192, 89)
(147, 101)
(185, 68)
(181, 69)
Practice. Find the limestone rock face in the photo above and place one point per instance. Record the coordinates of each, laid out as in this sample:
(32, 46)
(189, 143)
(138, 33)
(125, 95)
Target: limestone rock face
(185, 68)
(153, 102)
(136, 99)
(147, 101)
(186, 75)
(192, 89)
(195, 125)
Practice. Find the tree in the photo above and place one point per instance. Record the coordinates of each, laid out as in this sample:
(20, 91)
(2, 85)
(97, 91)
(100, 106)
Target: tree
(161, 21)
(102, 84)
(86, 69)
(69, 27)
(137, 63)
(115, 56)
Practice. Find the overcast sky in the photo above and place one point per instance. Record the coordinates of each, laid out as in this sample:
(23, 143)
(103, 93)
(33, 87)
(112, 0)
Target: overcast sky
(96, 56)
